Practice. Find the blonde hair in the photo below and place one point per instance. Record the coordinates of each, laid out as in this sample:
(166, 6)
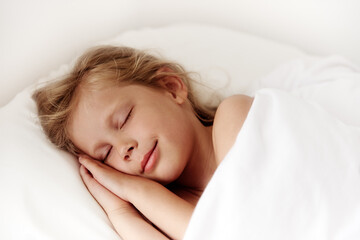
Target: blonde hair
(102, 67)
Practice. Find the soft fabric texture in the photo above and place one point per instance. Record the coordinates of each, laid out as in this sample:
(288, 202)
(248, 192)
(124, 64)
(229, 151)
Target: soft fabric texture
(294, 169)
(43, 196)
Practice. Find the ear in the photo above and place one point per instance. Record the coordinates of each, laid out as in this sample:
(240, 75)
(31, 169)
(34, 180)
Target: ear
(173, 85)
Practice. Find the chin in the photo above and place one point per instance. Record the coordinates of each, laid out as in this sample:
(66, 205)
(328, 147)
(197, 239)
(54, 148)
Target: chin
(166, 181)
(169, 175)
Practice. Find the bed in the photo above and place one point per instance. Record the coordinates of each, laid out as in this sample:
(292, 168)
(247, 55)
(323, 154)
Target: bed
(302, 53)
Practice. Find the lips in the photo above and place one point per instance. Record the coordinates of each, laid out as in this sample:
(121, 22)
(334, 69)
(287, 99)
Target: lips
(149, 159)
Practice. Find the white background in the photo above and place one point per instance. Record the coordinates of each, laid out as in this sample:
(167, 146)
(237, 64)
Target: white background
(39, 35)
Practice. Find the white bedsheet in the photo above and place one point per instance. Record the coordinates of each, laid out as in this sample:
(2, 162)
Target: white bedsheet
(294, 169)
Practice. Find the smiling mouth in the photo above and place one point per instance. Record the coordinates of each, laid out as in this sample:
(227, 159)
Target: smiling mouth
(149, 159)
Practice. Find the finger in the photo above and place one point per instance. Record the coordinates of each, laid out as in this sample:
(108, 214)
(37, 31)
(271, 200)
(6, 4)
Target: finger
(95, 167)
(107, 200)
(89, 162)
(115, 181)
(85, 174)
(104, 174)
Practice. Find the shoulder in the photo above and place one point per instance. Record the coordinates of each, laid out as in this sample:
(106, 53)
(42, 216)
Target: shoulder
(228, 121)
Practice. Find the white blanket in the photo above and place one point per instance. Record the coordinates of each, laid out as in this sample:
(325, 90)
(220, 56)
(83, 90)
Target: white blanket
(293, 171)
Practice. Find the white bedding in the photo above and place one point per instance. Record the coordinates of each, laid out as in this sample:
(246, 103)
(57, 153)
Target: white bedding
(42, 195)
(294, 169)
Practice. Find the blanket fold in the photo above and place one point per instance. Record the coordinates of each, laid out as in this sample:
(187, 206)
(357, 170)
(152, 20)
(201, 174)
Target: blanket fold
(292, 173)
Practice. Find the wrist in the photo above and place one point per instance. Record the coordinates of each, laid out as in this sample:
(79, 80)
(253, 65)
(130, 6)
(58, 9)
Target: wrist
(123, 211)
(136, 186)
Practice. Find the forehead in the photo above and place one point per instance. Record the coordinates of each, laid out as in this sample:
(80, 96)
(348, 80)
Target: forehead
(93, 105)
(88, 98)
(93, 98)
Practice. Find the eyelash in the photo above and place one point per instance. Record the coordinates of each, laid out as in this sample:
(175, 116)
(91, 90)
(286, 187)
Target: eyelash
(107, 155)
(126, 119)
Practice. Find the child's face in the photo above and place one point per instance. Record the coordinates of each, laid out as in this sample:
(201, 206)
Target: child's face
(139, 130)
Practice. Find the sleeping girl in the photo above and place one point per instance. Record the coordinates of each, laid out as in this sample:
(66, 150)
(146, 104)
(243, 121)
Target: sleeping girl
(147, 147)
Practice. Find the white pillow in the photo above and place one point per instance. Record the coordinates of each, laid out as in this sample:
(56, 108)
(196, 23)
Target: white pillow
(42, 195)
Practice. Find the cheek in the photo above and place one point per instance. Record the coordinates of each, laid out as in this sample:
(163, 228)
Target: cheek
(115, 162)
(171, 166)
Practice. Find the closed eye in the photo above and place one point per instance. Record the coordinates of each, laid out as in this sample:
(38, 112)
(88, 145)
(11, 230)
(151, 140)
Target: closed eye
(120, 126)
(126, 119)
(107, 155)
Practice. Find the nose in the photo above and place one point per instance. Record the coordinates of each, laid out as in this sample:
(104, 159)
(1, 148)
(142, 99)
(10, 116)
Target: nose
(127, 153)
(125, 150)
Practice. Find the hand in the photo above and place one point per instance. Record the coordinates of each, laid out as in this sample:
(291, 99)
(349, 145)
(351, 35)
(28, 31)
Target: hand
(110, 202)
(112, 179)
(172, 213)
(123, 215)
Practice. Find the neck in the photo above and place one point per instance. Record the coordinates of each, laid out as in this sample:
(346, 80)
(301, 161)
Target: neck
(202, 164)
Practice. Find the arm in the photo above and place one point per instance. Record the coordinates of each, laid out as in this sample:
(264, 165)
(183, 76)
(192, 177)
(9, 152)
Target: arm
(229, 118)
(161, 206)
(125, 218)
(166, 210)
